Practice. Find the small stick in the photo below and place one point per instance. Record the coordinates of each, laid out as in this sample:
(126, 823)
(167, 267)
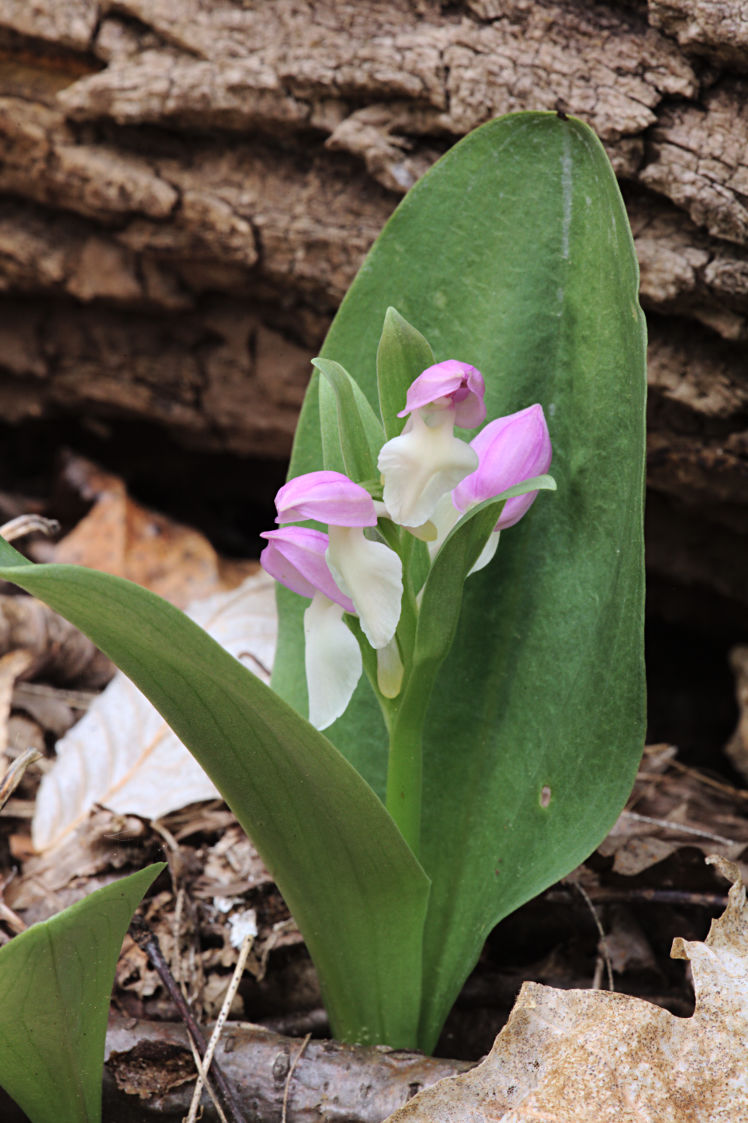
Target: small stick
(603, 956)
(604, 895)
(14, 774)
(224, 1013)
(148, 941)
(27, 524)
(291, 1071)
(203, 1080)
(679, 828)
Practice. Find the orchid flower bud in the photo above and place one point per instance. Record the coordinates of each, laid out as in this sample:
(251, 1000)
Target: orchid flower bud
(510, 449)
(427, 461)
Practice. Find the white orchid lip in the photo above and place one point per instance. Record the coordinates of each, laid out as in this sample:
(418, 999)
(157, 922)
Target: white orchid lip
(371, 574)
(332, 661)
(450, 384)
(421, 465)
(330, 497)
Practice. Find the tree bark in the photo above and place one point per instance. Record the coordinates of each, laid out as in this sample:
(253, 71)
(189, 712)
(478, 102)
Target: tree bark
(187, 189)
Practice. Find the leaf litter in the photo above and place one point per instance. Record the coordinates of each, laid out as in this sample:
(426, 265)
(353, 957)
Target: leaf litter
(585, 1056)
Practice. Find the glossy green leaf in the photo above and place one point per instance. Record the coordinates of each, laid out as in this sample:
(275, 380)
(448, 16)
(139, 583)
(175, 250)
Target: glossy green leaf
(55, 983)
(514, 254)
(329, 843)
(348, 422)
(402, 355)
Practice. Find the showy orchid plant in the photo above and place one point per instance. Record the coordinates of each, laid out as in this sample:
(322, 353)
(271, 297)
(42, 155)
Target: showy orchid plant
(367, 575)
(482, 708)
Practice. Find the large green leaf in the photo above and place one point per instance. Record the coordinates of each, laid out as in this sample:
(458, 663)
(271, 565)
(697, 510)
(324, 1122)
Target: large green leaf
(55, 984)
(514, 254)
(354, 887)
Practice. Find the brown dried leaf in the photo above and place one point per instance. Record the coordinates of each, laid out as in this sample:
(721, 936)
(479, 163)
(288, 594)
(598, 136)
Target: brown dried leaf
(596, 1057)
(123, 538)
(673, 807)
(59, 649)
(12, 664)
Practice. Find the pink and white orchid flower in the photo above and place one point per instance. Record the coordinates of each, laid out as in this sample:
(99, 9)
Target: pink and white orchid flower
(427, 461)
(510, 449)
(370, 573)
(295, 556)
(342, 572)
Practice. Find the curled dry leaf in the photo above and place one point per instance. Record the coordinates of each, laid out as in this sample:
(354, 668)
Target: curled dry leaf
(574, 1056)
(123, 755)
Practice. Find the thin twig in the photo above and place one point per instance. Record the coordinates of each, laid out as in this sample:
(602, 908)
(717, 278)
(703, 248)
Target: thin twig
(291, 1071)
(603, 938)
(204, 1081)
(224, 1012)
(681, 828)
(148, 941)
(710, 781)
(14, 773)
(605, 895)
(27, 524)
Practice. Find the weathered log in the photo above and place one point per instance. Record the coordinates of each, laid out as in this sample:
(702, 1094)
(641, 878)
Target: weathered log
(186, 191)
(150, 1074)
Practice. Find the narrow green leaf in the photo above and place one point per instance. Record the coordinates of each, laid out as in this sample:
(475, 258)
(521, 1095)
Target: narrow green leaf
(55, 983)
(353, 886)
(359, 431)
(443, 591)
(332, 450)
(514, 254)
(402, 355)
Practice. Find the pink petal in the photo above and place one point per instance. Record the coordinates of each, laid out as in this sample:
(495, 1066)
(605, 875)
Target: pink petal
(459, 382)
(329, 497)
(295, 556)
(510, 449)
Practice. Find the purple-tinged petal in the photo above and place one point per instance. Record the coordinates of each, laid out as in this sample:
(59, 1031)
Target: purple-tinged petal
(510, 449)
(460, 384)
(332, 659)
(295, 556)
(329, 497)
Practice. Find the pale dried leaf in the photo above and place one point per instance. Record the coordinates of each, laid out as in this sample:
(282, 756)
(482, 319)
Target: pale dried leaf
(123, 755)
(579, 1056)
(12, 664)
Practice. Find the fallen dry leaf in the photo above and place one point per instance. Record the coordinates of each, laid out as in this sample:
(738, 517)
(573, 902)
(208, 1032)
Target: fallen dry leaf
(673, 807)
(12, 664)
(575, 1056)
(59, 650)
(123, 538)
(122, 754)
